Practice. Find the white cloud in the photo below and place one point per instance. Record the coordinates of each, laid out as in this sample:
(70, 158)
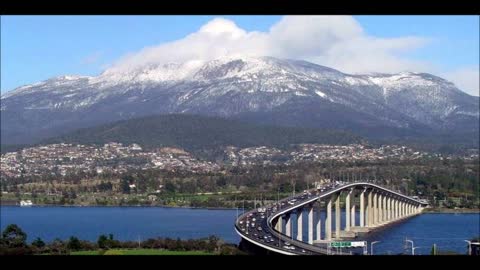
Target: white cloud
(466, 79)
(339, 42)
(336, 41)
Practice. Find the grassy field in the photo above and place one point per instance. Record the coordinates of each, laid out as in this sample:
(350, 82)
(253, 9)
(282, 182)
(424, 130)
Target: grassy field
(140, 252)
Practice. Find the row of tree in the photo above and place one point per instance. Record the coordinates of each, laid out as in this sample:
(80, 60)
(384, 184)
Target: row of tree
(14, 242)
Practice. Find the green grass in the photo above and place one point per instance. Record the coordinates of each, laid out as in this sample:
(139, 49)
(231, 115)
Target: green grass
(85, 252)
(141, 252)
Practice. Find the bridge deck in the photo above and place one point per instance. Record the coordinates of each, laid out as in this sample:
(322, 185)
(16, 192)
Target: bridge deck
(263, 234)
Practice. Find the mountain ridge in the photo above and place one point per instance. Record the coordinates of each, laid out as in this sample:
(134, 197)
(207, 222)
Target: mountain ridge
(232, 87)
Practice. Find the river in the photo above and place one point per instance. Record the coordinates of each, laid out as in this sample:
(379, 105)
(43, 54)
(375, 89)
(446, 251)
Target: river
(447, 231)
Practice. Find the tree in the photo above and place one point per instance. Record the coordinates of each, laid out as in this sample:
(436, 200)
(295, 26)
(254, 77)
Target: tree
(38, 243)
(125, 186)
(14, 236)
(57, 246)
(170, 187)
(102, 241)
(74, 243)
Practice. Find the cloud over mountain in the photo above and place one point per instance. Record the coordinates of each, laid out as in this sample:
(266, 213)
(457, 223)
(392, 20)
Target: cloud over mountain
(336, 41)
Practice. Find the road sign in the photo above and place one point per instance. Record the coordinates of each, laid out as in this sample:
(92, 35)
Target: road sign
(359, 244)
(340, 244)
(347, 244)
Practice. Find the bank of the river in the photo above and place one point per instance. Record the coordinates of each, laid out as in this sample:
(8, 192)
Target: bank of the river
(451, 210)
(12, 203)
(138, 205)
(427, 210)
(141, 251)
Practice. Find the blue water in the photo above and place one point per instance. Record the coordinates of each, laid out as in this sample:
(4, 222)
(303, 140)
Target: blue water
(125, 223)
(131, 223)
(447, 231)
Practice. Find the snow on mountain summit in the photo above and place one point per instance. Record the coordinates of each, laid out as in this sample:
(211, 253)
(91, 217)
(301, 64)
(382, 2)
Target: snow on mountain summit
(233, 85)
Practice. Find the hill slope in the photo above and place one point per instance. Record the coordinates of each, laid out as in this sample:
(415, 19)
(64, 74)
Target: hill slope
(195, 133)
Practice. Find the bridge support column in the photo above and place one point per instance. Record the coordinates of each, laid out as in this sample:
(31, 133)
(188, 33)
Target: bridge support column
(288, 225)
(319, 223)
(389, 209)
(400, 207)
(384, 209)
(396, 209)
(300, 224)
(380, 209)
(347, 211)
(279, 225)
(375, 209)
(392, 208)
(352, 213)
(328, 220)
(369, 209)
(362, 208)
(337, 216)
(310, 224)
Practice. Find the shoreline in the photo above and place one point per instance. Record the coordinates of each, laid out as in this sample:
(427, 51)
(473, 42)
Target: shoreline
(138, 206)
(451, 211)
(426, 211)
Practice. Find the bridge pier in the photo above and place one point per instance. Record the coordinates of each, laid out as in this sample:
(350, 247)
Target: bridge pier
(337, 216)
(389, 208)
(352, 213)
(362, 208)
(279, 225)
(288, 225)
(384, 209)
(328, 220)
(300, 224)
(310, 224)
(395, 209)
(380, 209)
(347, 211)
(319, 223)
(399, 209)
(375, 209)
(369, 209)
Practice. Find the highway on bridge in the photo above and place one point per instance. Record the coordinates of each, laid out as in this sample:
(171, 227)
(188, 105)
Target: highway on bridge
(256, 226)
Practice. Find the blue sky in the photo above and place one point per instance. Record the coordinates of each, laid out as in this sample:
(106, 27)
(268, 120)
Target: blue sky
(35, 48)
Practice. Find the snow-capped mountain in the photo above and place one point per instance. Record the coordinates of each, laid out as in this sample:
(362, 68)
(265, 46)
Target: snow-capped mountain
(262, 89)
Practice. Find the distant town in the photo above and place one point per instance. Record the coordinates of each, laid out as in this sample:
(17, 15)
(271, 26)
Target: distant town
(63, 159)
(118, 174)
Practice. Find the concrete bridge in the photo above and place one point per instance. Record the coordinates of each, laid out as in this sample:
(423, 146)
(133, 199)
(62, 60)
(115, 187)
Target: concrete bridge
(272, 227)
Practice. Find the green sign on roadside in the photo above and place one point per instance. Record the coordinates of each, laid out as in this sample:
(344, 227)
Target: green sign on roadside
(340, 244)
